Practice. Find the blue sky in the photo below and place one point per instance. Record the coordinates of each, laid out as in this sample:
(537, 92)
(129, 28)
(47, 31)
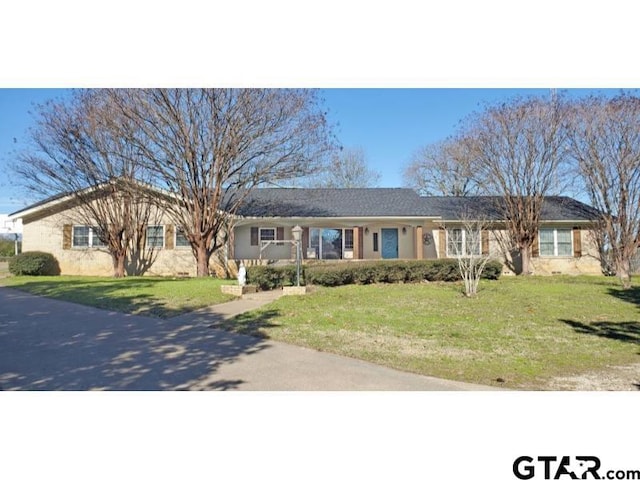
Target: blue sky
(390, 124)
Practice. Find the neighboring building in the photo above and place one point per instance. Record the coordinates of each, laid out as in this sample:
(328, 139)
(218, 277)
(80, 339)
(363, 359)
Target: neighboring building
(338, 225)
(9, 226)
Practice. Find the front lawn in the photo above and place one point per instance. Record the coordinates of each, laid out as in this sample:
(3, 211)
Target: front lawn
(151, 296)
(518, 333)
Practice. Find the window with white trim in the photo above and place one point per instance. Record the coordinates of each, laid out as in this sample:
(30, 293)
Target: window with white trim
(555, 242)
(84, 236)
(155, 236)
(331, 243)
(267, 234)
(463, 243)
(348, 238)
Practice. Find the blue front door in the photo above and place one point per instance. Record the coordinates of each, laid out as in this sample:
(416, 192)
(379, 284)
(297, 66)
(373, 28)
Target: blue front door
(389, 243)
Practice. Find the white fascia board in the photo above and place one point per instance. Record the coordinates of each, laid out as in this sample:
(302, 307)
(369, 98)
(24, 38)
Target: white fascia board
(43, 206)
(567, 222)
(328, 220)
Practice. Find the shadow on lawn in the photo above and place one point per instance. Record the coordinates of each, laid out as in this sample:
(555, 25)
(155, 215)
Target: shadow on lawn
(632, 295)
(628, 331)
(46, 345)
(623, 331)
(123, 296)
(254, 324)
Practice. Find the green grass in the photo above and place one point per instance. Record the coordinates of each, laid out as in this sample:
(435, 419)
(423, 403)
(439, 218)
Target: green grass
(524, 331)
(150, 296)
(521, 330)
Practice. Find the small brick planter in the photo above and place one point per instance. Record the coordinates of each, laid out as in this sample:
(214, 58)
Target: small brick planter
(294, 290)
(238, 290)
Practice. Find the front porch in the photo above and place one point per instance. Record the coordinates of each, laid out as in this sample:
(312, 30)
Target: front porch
(267, 241)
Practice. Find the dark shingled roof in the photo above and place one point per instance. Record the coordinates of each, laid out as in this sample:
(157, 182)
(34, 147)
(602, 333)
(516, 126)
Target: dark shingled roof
(554, 208)
(333, 202)
(393, 202)
(384, 202)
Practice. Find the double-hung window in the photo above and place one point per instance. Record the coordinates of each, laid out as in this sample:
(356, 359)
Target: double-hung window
(155, 236)
(181, 239)
(463, 242)
(267, 234)
(555, 242)
(84, 236)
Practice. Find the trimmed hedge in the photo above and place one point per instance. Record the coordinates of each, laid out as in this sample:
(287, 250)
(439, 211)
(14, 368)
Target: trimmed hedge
(268, 278)
(364, 273)
(34, 263)
(492, 270)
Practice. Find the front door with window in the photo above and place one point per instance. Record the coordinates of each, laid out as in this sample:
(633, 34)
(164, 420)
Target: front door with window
(389, 243)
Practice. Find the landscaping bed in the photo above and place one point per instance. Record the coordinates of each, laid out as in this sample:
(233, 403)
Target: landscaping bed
(329, 274)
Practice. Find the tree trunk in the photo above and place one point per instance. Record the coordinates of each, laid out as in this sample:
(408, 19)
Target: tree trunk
(202, 258)
(118, 263)
(623, 270)
(525, 258)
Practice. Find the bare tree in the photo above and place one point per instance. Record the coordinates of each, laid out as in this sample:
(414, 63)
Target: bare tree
(468, 241)
(347, 169)
(600, 238)
(604, 141)
(77, 152)
(443, 168)
(210, 147)
(517, 154)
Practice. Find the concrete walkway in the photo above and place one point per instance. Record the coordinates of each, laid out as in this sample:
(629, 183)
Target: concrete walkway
(227, 310)
(53, 345)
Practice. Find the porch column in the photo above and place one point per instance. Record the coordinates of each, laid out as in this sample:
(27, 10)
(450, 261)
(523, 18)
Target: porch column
(292, 251)
(305, 241)
(356, 242)
(419, 252)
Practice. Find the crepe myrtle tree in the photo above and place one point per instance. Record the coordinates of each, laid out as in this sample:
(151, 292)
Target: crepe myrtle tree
(76, 151)
(604, 143)
(468, 242)
(518, 151)
(208, 148)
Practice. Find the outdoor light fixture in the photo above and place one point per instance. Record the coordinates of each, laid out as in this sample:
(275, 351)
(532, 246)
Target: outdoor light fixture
(404, 230)
(366, 230)
(297, 237)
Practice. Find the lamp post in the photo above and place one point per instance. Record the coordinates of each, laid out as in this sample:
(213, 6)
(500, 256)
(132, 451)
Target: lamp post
(297, 236)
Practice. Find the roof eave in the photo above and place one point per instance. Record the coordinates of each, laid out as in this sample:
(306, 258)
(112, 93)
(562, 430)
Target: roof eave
(360, 218)
(25, 212)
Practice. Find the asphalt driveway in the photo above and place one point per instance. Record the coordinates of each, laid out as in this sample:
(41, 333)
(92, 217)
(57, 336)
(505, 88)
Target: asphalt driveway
(53, 345)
